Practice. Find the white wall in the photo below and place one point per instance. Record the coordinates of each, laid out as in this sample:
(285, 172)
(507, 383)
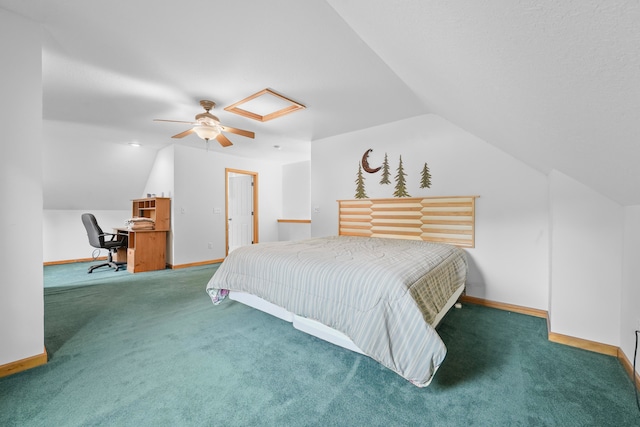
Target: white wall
(64, 237)
(199, 189)
(630, 307)
(296, 190)
(293, 231)
(296, 199)
(161, 182)
(161, 178)
(510, 261)
(586, 261)
(21, 301)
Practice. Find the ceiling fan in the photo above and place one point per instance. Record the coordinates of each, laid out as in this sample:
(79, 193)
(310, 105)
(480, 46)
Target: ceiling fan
(207, 126)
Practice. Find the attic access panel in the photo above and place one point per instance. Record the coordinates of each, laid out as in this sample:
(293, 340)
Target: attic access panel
(264, 106)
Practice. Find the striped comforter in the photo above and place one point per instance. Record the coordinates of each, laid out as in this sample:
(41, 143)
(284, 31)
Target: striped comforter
(382, 293)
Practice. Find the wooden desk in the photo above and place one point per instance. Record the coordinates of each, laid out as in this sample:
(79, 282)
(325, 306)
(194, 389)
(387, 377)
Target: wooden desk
(146, 250)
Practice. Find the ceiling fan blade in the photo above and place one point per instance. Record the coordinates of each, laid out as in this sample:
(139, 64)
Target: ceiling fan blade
(173, 121)
(246, 133)
(223, 140)
(183, 134)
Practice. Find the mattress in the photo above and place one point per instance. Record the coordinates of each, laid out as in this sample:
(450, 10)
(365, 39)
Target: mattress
(385, 295)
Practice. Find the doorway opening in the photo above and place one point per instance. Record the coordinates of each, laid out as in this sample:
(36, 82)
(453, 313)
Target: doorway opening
(241, 188)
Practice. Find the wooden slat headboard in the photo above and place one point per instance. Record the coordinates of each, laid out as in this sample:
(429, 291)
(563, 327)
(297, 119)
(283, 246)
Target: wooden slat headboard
(436, 219)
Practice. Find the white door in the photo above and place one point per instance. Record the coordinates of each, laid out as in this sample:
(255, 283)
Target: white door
(240, 210)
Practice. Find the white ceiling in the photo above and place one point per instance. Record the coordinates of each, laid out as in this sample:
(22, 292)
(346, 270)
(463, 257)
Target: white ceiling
(554, 83)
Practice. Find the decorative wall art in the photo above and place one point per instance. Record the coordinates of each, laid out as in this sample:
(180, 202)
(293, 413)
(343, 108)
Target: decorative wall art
(425, 180)
(400, 178)
(360, 192)
(401, 190)
(365, 162)
(385, 171)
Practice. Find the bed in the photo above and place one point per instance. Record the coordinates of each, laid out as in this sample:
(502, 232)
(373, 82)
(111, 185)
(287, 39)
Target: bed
(378, 296)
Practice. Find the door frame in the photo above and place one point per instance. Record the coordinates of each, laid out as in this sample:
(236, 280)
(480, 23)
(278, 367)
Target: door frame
(227, 172)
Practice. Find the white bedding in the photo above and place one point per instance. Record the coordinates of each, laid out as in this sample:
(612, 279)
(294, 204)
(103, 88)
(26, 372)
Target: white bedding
(385, 295)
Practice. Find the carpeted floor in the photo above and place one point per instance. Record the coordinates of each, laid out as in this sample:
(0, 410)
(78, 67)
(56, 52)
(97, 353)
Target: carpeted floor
(151, 349)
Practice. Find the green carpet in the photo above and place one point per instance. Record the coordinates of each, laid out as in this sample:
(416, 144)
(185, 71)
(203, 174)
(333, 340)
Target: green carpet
(151, 349)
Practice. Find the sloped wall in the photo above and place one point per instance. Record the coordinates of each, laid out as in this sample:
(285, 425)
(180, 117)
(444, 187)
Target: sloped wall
(92, 167)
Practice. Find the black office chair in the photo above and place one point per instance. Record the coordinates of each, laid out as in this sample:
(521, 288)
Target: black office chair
(97, 240)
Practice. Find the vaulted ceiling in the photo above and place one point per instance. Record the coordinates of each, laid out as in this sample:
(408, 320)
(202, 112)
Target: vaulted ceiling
(554, 83)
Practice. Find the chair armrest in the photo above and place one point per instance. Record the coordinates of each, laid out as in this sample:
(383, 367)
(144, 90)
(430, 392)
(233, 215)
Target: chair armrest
(113, 237)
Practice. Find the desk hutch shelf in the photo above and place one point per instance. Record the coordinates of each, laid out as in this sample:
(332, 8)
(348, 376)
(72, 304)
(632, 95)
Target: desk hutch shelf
(156, 208)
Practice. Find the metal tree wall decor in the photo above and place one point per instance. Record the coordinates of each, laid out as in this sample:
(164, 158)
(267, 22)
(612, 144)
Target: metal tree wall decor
(385, 171)
(425, 181)
(360, 192)
(401, 189)
(400, 178)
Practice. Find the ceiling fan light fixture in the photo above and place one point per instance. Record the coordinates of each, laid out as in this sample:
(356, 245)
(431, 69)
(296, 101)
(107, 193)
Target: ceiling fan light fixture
(206, 132)
(207, 127)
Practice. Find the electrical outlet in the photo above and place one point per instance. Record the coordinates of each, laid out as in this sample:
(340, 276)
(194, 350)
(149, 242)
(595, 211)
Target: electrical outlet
(210, 245)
